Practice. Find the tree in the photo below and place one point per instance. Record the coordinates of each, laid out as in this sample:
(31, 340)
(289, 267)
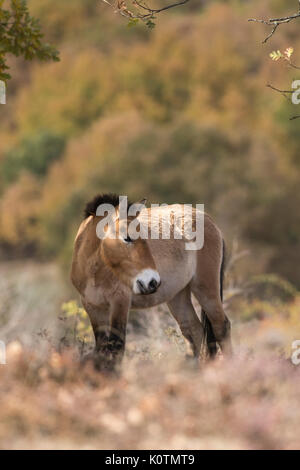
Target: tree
(20, 35)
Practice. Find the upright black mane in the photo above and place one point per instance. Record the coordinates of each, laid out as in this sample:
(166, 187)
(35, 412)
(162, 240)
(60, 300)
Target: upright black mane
(108, 198)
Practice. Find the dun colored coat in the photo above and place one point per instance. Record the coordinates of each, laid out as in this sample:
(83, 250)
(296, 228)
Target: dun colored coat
(115, 274)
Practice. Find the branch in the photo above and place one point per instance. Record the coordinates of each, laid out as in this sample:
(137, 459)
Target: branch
(294, 66)
(141, 11)
(283, 93)
(155, 11)
(274, 23)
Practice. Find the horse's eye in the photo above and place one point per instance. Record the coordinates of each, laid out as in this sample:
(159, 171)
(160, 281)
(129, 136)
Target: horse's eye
(128, 239)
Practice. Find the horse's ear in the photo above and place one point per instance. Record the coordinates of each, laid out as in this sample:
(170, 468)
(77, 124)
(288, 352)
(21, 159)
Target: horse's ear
(112, 218)
(116, 214)
(136, 208)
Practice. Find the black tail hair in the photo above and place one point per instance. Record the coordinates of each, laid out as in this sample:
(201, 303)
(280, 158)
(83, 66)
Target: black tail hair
(209, 336)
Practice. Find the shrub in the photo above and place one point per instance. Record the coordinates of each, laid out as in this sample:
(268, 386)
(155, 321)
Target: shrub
(35, 153)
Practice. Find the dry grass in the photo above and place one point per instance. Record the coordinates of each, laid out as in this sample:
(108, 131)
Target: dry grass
(245, 403)
(158, 400)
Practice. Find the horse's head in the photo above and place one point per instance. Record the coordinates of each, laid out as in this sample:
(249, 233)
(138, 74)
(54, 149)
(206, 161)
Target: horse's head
(129, 257)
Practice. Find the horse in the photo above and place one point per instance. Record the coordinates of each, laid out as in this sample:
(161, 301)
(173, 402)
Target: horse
(116, 273)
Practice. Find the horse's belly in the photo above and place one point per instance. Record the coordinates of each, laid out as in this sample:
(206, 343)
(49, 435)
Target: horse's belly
(175, 273)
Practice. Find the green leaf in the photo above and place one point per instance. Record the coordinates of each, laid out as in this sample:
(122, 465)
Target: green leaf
(150, 24)
(132, 22)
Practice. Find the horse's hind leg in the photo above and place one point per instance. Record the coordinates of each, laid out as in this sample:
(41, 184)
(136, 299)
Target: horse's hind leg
(184, 313)
(208, 295)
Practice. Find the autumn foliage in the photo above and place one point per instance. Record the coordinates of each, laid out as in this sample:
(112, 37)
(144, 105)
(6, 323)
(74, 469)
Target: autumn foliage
(177, 114)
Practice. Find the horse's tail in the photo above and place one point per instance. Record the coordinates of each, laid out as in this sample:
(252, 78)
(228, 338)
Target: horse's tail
(209, 336)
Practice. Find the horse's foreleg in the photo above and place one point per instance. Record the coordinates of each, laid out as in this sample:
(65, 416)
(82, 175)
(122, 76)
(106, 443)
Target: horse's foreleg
(184, 313)
(109, 326)
(100, 320)
(118, 323)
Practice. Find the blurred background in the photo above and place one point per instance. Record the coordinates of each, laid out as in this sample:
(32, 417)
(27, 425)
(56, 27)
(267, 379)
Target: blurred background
(180, 113)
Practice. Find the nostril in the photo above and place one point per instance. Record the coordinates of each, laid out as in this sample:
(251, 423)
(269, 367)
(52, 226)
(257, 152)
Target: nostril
(141, 286)
(153, 284)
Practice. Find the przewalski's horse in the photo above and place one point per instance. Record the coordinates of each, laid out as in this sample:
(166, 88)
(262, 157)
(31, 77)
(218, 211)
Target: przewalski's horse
(116, 274)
